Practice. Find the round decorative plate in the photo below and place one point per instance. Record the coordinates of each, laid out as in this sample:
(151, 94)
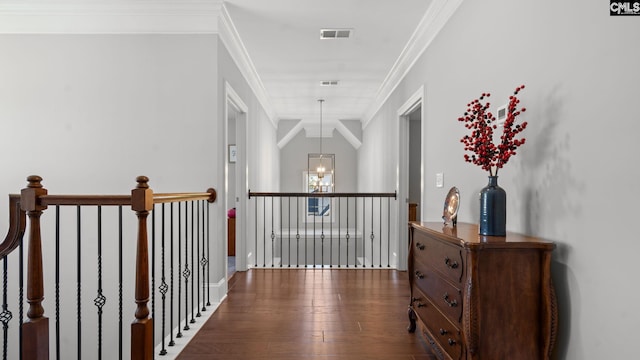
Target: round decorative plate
(451, 204)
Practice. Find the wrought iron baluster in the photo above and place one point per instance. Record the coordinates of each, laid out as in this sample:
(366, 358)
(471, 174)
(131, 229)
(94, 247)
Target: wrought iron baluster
(297, 232)
(179, 334)
(153, 268)
(120, 263)
(355, 221)
(273, 260)
(322, 238)
(79, 282)
(306, 236)
(314, 235)
(171, 270)
(388, 232)
(289, 230)
(100, 299)
(380, 236)
(256, 231)
(347, 236)
(186, 273)
(264, 232)
(203, 260)
(5, 315)
(21, 292)
(57, 285)
(372, 236)
(193, 267)
(331, 235)
(339, 230)
(163, 285)
(281, 234)
(208, 256)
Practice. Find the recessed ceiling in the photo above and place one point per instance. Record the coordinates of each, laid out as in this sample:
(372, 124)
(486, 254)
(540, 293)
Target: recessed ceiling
(282, 40)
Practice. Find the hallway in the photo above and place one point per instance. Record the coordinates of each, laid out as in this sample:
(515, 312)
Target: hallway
(311, 314)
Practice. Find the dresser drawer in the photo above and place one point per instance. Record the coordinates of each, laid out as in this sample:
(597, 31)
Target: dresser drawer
(447, 335)
(446, 258)
(441, 292)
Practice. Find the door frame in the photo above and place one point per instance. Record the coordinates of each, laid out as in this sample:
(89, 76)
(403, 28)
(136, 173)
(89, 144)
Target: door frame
(402, 175)
(233, 100)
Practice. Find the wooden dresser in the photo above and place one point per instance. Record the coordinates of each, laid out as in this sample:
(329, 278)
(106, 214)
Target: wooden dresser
(481, 297)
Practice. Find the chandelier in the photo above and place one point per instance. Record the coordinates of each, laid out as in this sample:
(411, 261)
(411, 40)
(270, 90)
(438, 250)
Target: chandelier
(320, 170)
(320, 166)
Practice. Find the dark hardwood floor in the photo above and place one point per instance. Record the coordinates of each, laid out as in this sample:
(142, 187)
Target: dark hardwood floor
(311, 315)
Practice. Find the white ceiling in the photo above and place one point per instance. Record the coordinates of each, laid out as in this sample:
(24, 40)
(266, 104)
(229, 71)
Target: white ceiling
(276, 44)
(282, 39)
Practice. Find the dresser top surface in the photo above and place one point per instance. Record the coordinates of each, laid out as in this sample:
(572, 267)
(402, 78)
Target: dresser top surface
(467, 235)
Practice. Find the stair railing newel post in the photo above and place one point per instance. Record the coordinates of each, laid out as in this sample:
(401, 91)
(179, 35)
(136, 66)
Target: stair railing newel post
(35, 329)
(142, 326)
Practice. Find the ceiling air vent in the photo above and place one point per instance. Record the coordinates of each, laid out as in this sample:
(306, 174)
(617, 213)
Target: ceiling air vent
(335, 33)
(328, 82)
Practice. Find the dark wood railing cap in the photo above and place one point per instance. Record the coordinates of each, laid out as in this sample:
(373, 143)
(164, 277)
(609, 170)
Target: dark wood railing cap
(213, 196)
(143, 182)
(35, 181)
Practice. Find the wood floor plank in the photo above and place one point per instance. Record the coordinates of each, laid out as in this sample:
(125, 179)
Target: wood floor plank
(315, 314)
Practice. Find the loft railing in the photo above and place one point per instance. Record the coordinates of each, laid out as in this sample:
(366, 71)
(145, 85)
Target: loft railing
(119, 267)
(302, 230)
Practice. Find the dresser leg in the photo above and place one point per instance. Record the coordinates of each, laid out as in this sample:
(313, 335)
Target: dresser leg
(412, 320)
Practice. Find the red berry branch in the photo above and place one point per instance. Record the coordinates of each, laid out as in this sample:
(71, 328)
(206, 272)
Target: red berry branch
(485, 152)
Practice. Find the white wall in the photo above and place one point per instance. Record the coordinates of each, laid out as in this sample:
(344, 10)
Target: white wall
(293, 160)
(574, 181)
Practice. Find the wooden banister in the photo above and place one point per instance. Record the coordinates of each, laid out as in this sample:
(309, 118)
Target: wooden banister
(31, 203)
(210, 196)
(321, 194)
(17, 225)
(86, 200)
(36, 327)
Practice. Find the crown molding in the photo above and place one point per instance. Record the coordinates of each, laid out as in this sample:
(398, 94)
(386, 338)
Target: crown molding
(432, 22)
(231, 40)
(109, 16)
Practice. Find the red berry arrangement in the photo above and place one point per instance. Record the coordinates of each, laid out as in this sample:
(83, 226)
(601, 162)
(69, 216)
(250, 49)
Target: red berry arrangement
(486, 153)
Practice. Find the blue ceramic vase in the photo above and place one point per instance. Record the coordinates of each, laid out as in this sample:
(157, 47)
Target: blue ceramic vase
(493, 209)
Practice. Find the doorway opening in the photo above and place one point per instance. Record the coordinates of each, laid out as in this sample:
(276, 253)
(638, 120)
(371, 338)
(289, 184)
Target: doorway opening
(236, 160)
(232, 114)
(410, 172)
(415, 163)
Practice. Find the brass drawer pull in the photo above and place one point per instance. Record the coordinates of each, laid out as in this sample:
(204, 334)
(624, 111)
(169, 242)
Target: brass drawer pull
(450, 264)
(419, 275)
(452, 303)
(443, 331)
(451, 342)
(420, 246)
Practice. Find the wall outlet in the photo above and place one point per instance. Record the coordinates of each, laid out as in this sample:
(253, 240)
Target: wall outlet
(439, 180)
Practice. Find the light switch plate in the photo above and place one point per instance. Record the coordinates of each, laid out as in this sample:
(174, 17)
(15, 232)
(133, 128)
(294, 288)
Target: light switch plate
(439, 180)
